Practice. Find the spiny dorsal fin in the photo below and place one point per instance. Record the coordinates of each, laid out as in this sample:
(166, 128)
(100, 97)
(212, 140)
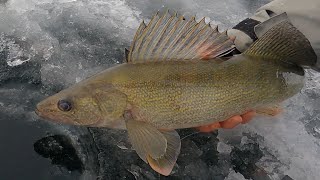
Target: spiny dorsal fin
(169, 37)
(133, 44)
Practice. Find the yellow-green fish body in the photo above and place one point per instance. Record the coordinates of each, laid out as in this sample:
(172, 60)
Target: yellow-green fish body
(183, 94)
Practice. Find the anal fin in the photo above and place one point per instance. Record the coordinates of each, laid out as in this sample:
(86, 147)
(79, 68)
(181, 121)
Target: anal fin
(270, 111)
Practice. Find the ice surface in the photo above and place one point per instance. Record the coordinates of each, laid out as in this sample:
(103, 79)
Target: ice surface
(47, 45)
(72, 39)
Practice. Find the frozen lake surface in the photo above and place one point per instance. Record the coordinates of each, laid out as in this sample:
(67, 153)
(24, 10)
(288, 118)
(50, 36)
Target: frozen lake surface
(47, 45)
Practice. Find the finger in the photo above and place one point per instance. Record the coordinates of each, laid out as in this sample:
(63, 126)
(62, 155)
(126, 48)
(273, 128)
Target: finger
(247, 116)
(231, 122)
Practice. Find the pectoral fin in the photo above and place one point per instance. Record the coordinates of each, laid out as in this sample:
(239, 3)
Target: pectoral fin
(158, 148)
(165, 164)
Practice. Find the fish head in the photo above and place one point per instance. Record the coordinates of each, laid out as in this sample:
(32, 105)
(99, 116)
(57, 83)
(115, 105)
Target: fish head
(86, 105)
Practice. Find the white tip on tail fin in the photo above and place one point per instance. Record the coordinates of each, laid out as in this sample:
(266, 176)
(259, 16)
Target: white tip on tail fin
(279, 39)
(169, 37)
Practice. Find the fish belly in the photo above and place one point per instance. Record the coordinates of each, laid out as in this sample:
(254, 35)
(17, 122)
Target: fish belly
(188, 94)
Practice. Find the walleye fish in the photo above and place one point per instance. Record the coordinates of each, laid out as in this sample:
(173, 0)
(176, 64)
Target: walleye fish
(174, 77)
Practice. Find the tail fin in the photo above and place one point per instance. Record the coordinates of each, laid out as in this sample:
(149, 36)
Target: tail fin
(284, 42)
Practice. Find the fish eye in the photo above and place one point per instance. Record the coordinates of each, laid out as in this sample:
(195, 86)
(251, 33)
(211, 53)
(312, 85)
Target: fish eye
(64, 105)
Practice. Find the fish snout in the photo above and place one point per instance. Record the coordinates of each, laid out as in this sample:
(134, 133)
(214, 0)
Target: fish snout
(44, 109)
(38, 110)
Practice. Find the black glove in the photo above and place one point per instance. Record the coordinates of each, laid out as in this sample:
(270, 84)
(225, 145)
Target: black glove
(244, 33)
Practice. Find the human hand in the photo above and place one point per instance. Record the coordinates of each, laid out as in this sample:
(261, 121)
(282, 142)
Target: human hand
(229, 123)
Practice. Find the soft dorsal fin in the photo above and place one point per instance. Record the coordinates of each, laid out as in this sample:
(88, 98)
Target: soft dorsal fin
(282, 41)
(169, 37)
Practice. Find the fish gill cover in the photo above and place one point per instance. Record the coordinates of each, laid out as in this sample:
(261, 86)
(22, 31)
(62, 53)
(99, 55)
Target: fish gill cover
(50, 44)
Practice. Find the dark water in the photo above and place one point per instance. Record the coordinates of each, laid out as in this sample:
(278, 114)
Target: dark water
(18, 157)
(20, 133)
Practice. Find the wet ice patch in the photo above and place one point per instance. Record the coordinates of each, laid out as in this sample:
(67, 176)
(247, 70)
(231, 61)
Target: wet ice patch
(13, 53)
(234, 176)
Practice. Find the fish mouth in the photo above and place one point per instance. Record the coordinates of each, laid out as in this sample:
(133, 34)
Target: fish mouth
(43, 113)
(37, 111)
